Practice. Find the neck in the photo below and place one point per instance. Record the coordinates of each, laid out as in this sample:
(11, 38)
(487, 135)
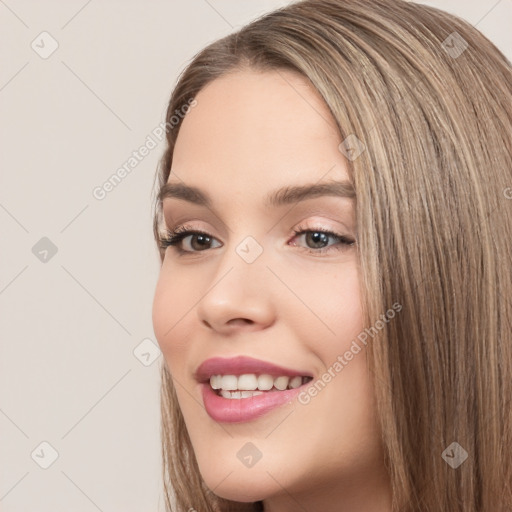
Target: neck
(371, 495)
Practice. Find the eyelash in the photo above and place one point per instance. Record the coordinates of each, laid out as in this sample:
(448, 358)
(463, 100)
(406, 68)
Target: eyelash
(176, 236)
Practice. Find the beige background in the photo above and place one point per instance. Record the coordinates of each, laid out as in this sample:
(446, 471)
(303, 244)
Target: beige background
(78, 364)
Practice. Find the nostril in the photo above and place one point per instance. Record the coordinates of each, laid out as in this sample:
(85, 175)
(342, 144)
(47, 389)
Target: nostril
(240, 321)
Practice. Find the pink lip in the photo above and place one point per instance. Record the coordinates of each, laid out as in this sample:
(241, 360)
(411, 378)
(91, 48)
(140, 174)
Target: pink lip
(244, 409)
(237, 410)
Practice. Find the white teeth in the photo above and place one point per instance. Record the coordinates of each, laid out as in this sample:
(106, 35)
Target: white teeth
(248, 394)
(229, 382)
(249, 382)
(215, 381)
(239, 394)
(265, 382)
(295, 382)
(281, 383)
(230, 394)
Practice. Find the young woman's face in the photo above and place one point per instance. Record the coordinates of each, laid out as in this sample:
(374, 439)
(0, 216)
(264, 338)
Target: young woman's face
(249, 287)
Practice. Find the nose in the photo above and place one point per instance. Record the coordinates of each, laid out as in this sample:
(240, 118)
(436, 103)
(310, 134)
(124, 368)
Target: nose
(239, 296)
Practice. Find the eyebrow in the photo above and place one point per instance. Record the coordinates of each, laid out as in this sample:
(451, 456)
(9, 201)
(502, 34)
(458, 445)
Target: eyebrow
(279, 197)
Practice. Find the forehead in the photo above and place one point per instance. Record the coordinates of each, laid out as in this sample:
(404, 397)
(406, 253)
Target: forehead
(252, 129)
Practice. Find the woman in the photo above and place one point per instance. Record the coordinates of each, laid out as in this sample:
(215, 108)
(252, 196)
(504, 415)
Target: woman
(334, 302)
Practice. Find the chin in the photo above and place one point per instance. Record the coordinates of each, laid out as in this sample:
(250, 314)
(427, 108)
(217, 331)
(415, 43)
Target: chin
(241, 485)
(242, 491)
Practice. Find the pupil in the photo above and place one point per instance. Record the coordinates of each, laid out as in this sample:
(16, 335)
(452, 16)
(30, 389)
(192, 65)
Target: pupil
(318, 237)
(202, 241)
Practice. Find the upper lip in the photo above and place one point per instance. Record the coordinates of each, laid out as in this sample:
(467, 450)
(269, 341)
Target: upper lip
(240, 365)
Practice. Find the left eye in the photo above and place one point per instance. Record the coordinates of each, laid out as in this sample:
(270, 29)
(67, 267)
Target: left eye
(318, 239)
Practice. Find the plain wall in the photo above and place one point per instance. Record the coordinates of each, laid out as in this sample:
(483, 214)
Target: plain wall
(78, 362)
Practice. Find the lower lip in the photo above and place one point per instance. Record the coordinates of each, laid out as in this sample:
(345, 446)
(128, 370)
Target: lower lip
(237, 410)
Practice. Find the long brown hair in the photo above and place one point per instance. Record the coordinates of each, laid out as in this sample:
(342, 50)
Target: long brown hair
(430, 98)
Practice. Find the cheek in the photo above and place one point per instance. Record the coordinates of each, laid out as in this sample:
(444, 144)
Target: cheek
(333, 299)
(171, 303)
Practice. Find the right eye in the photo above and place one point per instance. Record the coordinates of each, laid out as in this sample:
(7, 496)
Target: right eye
(199, 240)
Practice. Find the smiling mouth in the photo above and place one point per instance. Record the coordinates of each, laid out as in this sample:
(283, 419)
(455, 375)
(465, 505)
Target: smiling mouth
(251, 384)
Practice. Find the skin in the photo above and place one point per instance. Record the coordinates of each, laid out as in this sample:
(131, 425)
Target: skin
(251, 133)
